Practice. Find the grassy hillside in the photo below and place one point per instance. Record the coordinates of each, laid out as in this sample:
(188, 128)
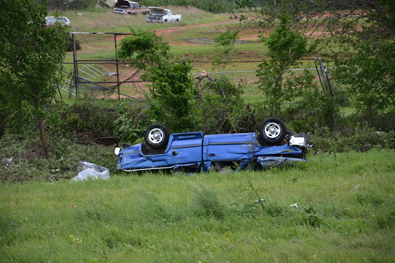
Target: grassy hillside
(346, 201)
(195, 24)
(107, 21)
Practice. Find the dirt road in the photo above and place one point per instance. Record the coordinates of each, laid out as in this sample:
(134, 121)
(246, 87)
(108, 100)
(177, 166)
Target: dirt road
(174, 29)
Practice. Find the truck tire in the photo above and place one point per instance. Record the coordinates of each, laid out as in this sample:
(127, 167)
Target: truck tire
(156, 136)
(272, 131)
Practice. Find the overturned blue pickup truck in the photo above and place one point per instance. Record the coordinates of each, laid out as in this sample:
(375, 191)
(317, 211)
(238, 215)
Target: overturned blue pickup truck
(275, 146)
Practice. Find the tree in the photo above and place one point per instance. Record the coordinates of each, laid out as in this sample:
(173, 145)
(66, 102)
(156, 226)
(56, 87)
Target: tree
(31, 55)
(286, 48)
(357, 35)
(369, 75)
(172, 92)
(226, 50)
(222, 107)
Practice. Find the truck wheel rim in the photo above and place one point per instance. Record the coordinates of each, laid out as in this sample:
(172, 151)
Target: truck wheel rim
(156, 135)
(272, 130)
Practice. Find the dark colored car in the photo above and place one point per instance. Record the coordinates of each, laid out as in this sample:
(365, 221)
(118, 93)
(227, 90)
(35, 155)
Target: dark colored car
(275, 146)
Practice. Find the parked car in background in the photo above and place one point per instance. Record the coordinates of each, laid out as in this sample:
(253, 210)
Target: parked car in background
(51, 21)
(161, 15)
(274, 146)
(129, 8)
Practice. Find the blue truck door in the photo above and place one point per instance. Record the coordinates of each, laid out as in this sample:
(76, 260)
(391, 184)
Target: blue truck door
(183, 148)
(228, 147)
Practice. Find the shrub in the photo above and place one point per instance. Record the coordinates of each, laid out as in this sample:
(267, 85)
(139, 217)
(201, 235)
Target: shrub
(172, 95)
(316, 111)
(171, 98)
(87, 120)
(222, 108)
(131, 122)
(26, 158)
(361, 139)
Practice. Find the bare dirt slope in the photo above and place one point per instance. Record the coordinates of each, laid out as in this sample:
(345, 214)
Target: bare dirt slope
(174, 29)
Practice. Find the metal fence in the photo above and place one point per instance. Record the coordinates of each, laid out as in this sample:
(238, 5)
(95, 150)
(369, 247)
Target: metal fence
(108, 76)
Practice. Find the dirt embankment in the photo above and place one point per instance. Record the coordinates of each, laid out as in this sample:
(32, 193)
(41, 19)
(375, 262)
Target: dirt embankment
(179, 28)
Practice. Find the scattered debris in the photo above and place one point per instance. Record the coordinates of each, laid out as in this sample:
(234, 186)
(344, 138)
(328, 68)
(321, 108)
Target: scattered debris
(295, 205)
(90, 170)
(8, 161)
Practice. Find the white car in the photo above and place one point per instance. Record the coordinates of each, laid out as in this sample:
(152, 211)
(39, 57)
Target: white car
(51, 20)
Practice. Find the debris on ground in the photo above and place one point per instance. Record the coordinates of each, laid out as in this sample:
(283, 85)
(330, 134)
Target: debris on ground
(89, 170)
(8, 161)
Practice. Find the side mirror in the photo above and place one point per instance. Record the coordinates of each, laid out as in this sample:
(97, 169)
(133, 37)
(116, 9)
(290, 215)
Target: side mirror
(117, 151)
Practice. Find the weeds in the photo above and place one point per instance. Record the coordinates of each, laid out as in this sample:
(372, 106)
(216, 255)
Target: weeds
(206, 204)
(159, 217)
(311, 217)
(253, 194)
(22, 160)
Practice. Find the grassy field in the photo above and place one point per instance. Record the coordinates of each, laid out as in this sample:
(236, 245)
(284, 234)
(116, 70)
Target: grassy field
(346, 214)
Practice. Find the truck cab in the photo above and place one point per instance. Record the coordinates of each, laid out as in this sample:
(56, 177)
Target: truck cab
(129, 8)
(161, 15)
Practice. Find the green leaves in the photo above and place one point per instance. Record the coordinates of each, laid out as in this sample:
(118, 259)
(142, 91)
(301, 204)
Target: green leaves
(145, 47)
(286, 48)
(31, 56)
(286, 45)
(369, 76)
(357, 35)
(225, 44)
(171, 96)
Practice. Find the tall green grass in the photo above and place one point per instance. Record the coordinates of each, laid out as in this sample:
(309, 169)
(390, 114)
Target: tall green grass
(346, 201)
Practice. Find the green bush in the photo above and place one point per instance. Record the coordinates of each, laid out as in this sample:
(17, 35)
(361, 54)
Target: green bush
(381, 121)
(172, 95)
(131, 122)
(316, 111)
(87, 120)
(361, 139)
(223, 110)
(26, 159)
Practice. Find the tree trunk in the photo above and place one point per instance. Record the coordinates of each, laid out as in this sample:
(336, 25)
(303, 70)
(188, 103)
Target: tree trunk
(42, 135)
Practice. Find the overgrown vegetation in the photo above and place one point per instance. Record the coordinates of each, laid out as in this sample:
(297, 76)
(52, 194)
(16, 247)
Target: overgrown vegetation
(31, 56)
(207, 104)
(286, 48)
(357, 37)
(171, 96)
(338, 207)
(87, 121)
